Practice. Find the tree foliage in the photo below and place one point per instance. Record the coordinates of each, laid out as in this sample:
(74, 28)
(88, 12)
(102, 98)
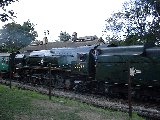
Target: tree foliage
(139, 19)
(6, 16)
(64, 36)
(14, 36)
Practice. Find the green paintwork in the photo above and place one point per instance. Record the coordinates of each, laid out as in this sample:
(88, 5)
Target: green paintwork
(112, 66)
(35, 61)
(4, 61)
(50, 59)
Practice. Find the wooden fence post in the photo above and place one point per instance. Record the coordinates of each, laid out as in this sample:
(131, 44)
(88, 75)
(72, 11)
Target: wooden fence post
(129, 89)
(49, 81)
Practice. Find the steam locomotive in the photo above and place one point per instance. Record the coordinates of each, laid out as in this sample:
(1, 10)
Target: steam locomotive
(76, 68)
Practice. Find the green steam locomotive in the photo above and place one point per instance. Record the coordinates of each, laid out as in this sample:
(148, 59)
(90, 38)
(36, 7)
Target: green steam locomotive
(99, 69)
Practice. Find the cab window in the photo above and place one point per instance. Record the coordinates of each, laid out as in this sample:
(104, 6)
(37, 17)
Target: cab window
(82, 57)
(7, 61)
(3, 61)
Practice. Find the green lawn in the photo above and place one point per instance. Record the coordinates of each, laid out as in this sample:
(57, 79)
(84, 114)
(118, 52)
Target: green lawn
(17, 104)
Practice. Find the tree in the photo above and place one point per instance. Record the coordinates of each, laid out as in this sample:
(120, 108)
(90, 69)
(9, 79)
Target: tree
(138, 18)
(154, 31)
(143, 17)
(64, 36)
(5, 16)
(115, 26)
(132, 40)
(15, 36)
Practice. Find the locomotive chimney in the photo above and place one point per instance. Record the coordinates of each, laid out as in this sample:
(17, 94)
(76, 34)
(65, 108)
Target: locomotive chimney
(45, 40)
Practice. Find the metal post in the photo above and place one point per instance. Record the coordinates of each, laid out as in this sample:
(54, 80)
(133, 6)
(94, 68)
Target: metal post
(49, 81)
(10, 71)
(10, 79)
(129, 89)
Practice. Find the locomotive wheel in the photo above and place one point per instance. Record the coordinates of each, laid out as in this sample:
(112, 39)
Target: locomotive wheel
(53, 81)
(59, 81)
(28, 79)
(46, 81)
(68, 84)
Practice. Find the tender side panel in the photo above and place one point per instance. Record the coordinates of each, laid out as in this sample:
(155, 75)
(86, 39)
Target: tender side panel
(143, 70)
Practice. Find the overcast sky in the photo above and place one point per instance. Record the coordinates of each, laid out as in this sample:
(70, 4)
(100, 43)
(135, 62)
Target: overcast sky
(86, 17)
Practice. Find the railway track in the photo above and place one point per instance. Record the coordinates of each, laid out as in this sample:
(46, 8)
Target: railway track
(147, 109)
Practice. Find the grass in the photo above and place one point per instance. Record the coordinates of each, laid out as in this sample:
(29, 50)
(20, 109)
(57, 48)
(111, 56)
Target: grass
(17, 104)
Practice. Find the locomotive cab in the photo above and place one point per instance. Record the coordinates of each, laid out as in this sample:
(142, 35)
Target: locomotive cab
(84, 65)
(80, 66)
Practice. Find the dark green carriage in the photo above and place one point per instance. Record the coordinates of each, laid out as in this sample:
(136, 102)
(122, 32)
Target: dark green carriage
(4, 62)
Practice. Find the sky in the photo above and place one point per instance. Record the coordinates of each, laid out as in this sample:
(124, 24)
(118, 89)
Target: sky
(86, 17)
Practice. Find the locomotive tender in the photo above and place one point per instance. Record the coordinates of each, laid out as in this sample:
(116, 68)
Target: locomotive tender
(74, 68)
